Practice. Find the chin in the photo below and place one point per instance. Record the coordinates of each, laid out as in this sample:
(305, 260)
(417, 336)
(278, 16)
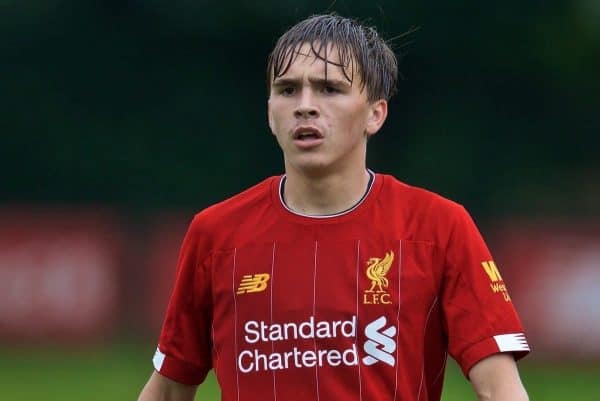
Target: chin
(312, 167)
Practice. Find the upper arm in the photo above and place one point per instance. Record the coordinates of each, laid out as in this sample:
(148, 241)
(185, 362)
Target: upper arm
(184, 351)
(160, 388)
(496, 378)
(479, 316)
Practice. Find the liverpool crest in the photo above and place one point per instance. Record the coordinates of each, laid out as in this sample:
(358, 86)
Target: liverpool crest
(377, 269)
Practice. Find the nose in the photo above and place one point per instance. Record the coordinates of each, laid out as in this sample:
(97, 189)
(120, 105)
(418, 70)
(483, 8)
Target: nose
(306, 107)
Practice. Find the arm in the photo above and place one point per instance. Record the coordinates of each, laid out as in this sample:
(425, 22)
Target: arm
(160, 388)
(496, 378)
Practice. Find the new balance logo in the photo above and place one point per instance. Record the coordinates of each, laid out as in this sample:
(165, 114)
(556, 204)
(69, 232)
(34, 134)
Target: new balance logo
(380, 345)
(253, 283)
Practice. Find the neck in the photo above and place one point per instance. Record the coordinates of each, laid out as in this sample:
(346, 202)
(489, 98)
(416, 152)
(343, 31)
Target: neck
(324, 195)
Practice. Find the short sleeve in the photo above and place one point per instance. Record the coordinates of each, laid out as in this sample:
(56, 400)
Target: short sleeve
(479, 316)
(184, 349)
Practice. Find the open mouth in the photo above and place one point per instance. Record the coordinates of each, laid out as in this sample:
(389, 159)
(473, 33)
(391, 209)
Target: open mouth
(307, 133)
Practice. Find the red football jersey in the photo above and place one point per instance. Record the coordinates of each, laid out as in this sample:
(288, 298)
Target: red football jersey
(363, 305)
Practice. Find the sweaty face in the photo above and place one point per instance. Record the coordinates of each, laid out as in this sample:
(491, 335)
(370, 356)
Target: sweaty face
(322, 124)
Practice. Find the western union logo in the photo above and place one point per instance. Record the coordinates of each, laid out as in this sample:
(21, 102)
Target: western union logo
(492, 271)
(497, 284)
(253, 283)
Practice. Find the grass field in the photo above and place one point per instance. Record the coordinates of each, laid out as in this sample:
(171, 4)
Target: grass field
(118, 373)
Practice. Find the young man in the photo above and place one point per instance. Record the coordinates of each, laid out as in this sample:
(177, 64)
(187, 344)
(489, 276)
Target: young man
(332, 282)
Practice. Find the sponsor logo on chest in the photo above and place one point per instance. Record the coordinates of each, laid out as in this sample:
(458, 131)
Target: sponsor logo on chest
(379, 345)
(375, 345)
(253, 283)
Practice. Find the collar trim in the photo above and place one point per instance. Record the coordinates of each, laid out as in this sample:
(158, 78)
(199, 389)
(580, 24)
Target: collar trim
(326, 216)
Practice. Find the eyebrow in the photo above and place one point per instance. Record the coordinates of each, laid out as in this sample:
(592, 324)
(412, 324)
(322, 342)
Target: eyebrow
(279, 82)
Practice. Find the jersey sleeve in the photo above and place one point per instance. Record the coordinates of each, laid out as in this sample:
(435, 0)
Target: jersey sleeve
(479, 317)
(184, 349)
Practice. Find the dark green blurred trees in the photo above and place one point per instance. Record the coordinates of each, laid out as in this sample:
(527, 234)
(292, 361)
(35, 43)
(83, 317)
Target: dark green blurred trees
(156, 103)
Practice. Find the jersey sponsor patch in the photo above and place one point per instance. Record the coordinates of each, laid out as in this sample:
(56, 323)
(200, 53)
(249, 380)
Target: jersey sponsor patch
(377, 270)
(253, 283)
(260, 332)
(380, 343)
(496, 282)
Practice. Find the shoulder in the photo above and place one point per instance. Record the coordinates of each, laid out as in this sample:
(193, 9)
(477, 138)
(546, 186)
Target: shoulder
(418, 200)
(423, 215)
(240, 207)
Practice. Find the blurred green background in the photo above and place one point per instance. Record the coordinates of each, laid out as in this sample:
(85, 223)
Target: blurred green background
(139, 103)
(156, 106)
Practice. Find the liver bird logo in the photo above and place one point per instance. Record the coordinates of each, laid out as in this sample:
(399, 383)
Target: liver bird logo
(377, 269)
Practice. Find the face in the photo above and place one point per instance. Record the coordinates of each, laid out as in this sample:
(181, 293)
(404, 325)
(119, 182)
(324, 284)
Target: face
(322, 125)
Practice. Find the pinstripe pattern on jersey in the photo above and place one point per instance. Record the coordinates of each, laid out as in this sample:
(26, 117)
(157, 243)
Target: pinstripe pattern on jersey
(271, 312)
(357, 316)
(398, 317)
(235, 323)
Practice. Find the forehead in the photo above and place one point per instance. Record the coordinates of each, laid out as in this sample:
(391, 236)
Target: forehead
(322, 61)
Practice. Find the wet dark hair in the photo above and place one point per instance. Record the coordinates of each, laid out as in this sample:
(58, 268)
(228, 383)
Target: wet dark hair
(358, 46)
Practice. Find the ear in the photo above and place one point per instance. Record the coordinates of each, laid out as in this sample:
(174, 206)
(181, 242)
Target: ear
(377, 114)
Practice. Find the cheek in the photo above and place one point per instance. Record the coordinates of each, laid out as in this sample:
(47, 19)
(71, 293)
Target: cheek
(353, 111)
(273, 123)
(276, 113)
(354, 120)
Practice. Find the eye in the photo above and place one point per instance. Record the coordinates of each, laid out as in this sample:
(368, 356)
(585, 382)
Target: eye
(287, 90)
(330, 90)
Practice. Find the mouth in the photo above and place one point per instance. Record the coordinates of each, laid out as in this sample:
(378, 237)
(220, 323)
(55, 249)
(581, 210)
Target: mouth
(307, 133)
